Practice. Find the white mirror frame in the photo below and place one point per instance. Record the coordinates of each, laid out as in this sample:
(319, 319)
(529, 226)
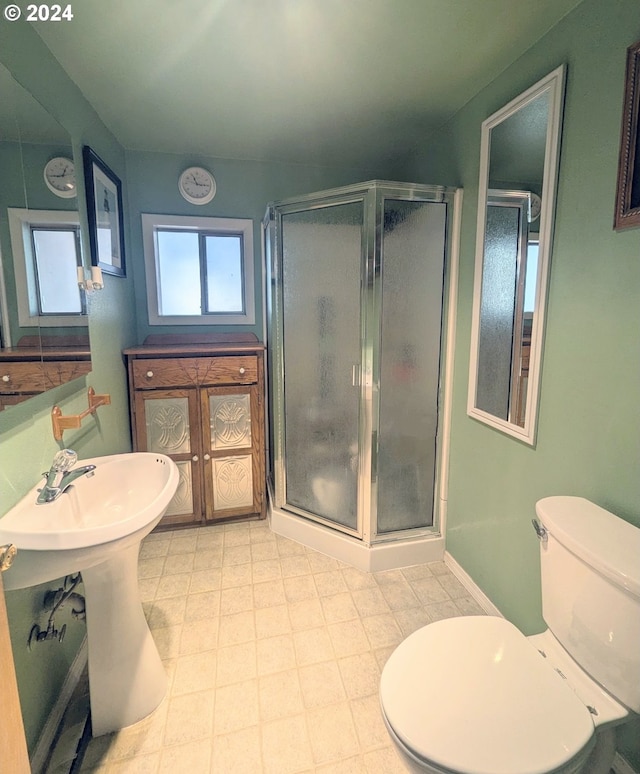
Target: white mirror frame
(553, 85)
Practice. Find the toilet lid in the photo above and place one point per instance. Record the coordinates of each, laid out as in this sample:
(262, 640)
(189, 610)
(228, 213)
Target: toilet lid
(472, 695)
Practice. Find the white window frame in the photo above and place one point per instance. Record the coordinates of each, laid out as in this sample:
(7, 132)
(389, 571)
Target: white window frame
(20, 223)
(243, 226)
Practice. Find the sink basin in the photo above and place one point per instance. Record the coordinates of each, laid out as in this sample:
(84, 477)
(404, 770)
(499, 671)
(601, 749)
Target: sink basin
(117, 506)
(95, 527)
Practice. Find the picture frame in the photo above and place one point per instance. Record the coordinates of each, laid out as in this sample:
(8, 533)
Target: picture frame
(627, 212)
(105, 214)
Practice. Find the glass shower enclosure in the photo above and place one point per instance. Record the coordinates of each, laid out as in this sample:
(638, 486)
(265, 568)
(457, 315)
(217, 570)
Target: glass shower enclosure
(356, 280)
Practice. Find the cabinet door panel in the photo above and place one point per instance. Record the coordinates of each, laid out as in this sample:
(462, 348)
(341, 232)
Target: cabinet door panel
(230, 421)
(232, 482)
(182, 502)
(167, 425)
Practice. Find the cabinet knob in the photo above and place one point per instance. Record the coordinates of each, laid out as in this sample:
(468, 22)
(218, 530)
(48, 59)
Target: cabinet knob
(207, 457)
(6, 378)
(242, 370)
(195, 458)
(149, 374)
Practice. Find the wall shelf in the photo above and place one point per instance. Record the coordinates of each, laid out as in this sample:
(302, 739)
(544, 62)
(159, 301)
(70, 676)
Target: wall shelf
(73, 421)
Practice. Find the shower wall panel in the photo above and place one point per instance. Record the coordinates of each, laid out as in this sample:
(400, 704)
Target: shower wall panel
(412, 270)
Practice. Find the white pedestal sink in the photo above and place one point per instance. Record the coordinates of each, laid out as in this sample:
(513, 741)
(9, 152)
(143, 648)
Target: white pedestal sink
(96, 528)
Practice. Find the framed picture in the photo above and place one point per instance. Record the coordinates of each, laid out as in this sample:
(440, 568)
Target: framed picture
(628, 191)
(104, 209)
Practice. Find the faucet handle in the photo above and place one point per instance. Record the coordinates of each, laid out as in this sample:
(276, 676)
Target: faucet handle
(64, 460)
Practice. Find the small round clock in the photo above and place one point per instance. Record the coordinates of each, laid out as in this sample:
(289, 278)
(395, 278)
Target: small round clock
(535, 206)
(197, 185)
(60, 177)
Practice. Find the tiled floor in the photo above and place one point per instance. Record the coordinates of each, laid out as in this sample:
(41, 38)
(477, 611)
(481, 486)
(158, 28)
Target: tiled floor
(273, 652)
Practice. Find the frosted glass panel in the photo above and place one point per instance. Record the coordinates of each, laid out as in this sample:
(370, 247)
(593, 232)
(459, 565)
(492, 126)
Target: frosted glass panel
(182, 502)
(322, 258)
(499, 276)
(412, 286)
(230, 421)
(232, 482)
(168, 425)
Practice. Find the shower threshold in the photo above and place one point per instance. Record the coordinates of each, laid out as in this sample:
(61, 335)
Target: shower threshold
(388, 555)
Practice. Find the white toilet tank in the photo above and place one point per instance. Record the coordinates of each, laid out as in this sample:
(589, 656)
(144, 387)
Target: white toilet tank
(590, 572)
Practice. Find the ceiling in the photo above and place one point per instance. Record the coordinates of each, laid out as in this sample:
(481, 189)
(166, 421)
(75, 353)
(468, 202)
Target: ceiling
(319, 81)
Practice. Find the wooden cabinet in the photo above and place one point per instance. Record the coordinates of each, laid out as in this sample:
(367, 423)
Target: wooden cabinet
(26, 371)
(202, 404)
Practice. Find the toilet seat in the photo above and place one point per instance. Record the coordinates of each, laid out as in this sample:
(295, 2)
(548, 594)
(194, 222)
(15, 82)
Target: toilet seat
(472, 695)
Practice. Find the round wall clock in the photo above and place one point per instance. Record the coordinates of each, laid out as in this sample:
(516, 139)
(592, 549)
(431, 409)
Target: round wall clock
(60, 177)
(536, 206)
(197, 185)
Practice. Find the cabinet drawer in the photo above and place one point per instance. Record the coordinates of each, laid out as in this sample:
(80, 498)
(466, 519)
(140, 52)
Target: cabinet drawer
(186, 371)
(32, 376)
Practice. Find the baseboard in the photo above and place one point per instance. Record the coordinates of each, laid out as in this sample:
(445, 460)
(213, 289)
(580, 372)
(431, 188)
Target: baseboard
(620, 766)
(467, 581)
(47, 736)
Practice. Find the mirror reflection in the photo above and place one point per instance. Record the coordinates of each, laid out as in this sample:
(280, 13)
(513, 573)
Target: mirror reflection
(519, 157)
(44, 336)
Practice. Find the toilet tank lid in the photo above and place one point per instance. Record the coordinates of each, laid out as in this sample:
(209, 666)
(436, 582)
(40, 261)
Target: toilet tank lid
(603, 540)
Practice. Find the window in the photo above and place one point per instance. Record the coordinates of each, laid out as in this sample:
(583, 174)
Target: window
(57, 257)
(199, 270)
(46, 245)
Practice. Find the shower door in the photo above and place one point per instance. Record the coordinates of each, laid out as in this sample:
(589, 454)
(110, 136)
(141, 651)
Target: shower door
(320, 260)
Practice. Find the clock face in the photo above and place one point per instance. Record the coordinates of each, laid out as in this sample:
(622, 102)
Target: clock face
(536, 206)
(197, 185)
(60, 177)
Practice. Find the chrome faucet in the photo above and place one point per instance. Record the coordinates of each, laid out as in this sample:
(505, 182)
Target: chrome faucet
(60, 476)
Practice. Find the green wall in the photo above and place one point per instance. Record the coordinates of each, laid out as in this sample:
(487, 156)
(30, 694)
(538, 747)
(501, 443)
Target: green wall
(244, 188)
(27, 445)
(588, 440)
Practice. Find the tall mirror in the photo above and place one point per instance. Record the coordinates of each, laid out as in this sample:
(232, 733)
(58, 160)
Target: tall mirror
(44, 335)
(516, 204)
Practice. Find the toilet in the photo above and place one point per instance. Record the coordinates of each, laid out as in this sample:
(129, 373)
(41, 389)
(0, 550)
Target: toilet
(473, 695)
